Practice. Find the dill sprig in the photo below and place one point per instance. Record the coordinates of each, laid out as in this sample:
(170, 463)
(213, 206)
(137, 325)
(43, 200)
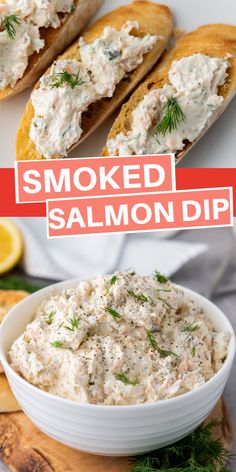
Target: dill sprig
(193, 351)
(190, 328)
(60, 78)
(162, 352)
(173, 116)
(10, 22)
(115, 315)
(73, 324)
(198, 452)
(139, 298)
(57, 344)
(123, 378)
(110, 282)
(14, 282)
(50, 317)
(162, 279)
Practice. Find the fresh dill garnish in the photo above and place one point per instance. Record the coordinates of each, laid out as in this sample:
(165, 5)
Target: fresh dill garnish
(60, 78)
(57, 344)
(14, 282)
(190, 328)
(123, 378)
(162, 352)
(9, 23)
(110, 282)
(115, 315)
(73, 324)
(197, 452)
(72, 8)
(172, 117)
(139, 298)
(162, 279)
(193, 351)
(50, 317)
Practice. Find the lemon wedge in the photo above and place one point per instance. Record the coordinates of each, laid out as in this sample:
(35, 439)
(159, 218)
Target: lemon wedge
(11, 245)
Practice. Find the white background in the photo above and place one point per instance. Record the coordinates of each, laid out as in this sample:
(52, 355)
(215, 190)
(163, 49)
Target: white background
(216, 148)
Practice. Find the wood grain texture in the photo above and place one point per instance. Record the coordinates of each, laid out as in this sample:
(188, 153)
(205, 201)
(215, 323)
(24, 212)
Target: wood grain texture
(24, 448)
(216, 40)
(153, 19)
(56, 40)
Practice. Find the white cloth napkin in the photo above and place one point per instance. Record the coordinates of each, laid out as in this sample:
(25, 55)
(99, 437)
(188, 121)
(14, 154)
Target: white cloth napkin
(92, 255)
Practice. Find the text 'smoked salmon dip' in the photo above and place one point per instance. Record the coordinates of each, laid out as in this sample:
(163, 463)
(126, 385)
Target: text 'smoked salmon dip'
(119, 340)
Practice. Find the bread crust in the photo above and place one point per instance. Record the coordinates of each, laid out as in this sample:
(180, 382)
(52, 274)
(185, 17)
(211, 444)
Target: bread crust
(9, 298)
(56, 40)
(154, 19)
(216, 40)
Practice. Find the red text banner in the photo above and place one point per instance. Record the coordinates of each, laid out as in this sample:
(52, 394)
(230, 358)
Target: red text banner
(185, 179)
(36, 181)
(140, 212)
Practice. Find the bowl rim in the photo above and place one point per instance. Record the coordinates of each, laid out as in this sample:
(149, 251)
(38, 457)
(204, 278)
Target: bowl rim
(90, 406)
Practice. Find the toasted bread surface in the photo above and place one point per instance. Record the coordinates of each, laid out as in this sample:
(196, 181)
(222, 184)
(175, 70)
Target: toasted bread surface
(9, 298)
(216, 40)
(153, 19)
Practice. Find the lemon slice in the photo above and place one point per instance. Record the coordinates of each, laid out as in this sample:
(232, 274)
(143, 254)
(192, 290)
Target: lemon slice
(11, 245)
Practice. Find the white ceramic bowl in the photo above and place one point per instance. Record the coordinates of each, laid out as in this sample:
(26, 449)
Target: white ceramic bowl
(112, 430)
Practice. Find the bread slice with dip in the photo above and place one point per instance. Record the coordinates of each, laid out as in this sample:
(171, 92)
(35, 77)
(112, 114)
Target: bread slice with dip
(180, 100)
(34, 35)
(92, 78)
(8, 299)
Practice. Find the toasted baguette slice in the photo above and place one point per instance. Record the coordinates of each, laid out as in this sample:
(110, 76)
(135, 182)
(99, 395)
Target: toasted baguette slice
(8, 403)
(213, 40)
(56, 40)
(9, 298)
(153, 19)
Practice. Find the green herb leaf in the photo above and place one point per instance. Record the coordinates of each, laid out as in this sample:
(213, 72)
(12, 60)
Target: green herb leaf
(162, 279)
(60, 78)
(14, 282)
(110, 282)
(139, 298)
(190, 328)
(115, 315)
(50, 317)
(173, 116)
(162, 352)
(57, 344)
(73, 324)
(198, 452)
(193, 351)
(9, 23)
(123, 378)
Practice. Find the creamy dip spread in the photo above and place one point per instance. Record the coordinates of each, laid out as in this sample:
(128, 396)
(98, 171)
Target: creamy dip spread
(194, 82)
(22, 38)
(119, 340)
(71, 86)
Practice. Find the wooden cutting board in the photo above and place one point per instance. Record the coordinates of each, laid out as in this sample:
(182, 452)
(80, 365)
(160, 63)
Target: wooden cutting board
(24, 448)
